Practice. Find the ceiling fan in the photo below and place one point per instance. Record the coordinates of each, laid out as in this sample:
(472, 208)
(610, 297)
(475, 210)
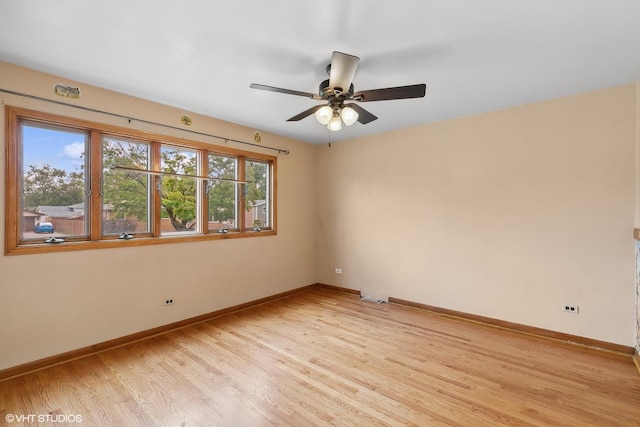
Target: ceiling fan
(338, 89)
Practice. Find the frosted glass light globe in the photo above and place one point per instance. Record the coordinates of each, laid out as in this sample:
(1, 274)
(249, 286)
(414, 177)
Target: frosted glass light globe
(349, 116)
(335, 124)
(324, 115)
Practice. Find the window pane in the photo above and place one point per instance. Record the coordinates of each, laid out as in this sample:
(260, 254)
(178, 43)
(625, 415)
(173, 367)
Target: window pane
(179, 198)
(53, 182)
(126, 200)
(257, 205)
(222, 195)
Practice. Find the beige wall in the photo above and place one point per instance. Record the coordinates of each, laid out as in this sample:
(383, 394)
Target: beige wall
(508, 214)
(52, 303)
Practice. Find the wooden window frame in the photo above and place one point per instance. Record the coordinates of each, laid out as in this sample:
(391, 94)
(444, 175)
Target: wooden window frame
(15, 116)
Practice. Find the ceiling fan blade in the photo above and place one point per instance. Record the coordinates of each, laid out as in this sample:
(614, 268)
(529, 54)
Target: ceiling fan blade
(305, 113)
(343, 68)
(287, 91)
(400, 92)
(364, 116)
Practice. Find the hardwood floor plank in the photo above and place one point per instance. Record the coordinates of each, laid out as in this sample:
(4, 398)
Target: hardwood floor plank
(322, 357)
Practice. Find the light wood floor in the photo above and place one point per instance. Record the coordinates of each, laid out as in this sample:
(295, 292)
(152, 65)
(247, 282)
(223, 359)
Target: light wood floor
(323, 357)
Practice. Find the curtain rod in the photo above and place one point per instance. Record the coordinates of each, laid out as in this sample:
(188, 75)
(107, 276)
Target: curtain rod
(180, 175)
(93, 110)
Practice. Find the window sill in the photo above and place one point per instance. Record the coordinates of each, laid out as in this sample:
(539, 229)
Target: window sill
(39, 248)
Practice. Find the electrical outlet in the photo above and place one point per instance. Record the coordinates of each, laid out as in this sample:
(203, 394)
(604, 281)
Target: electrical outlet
(338, 271)
(568, 308)
(168, 301)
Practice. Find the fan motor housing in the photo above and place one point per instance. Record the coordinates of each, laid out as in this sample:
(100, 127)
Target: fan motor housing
(328, 92)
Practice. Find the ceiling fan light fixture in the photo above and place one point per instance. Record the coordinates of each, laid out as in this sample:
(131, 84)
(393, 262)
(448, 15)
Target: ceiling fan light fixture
(335, 124)
(338, 89)
(349, 116)
(324, 115)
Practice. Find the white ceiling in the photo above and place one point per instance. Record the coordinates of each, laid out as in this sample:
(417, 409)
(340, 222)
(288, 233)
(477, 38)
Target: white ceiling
(201, 55)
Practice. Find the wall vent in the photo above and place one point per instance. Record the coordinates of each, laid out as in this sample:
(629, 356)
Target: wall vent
(377, 297)
(66, 91)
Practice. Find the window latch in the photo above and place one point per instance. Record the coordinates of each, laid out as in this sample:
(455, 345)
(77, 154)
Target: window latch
(125, 236)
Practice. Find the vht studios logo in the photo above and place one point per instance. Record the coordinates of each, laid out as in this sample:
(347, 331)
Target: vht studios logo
(42, 418)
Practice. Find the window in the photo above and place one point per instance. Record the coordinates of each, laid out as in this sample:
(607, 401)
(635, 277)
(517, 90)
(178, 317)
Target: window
(54, 182)
(126, 200)
(178, 193)
(71, 182)
(257, 197)
(223, 195)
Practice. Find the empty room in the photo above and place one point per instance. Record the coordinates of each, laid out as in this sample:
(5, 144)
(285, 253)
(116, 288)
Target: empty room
(349, 213)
